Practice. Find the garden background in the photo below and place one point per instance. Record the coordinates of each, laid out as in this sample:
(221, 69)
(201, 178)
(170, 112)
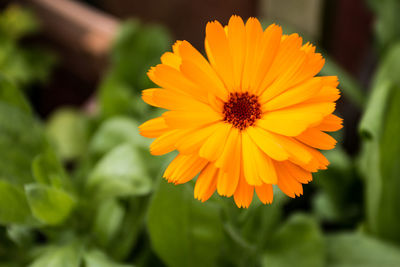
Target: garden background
(78, 186)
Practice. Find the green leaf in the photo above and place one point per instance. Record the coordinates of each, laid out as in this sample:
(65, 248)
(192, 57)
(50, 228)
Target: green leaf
(108, 220)
(121, 172)
(68, 129)
(379, 162)
(96, 258)
(61, 256)
(13, 204)
(47, 169)
(116, 131)
(299, 242)
(10, 94)
(21, 139)
(184, 231)
(357, 250)
(49, 205)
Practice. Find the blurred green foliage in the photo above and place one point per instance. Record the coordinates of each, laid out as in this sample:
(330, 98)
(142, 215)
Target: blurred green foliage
(18, 63)
(83, 190)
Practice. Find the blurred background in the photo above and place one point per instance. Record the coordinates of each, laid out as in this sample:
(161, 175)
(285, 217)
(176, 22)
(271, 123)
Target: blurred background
(78, 186)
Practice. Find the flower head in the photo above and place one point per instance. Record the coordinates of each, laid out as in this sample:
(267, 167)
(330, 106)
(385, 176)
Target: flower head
(251, 116)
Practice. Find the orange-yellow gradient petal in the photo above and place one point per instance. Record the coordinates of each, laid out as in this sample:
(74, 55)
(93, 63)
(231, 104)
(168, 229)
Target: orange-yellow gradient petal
(250, 117)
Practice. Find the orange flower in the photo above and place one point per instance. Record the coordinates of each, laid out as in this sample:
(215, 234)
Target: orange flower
(251, 116)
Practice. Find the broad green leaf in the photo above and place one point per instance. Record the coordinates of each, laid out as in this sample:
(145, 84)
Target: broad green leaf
(131, 228)
(67, 127)
(380, 155)
(96, 258)
(184, 231)
(10, 94)
(47, 169)
(13, 204)
(121, 172)
(49, 205)
(358, 250)
(116, 131)
(21, 139)
(108, 220)
(299, 242)
(60, 256)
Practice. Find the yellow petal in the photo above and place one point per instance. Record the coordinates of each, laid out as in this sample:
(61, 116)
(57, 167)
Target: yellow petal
(267, 143)
(170, 78)
(200, 66)
(190, 119)
(237, 45)
(206, 184)
(192, 142)
(317, 139)
(295, 95)
(219, 48)
(174, 100)
(250, 154)
(270, 43)
(294, 120)
(166, 142)
(214, 145)
(171, 59)
(254, 34)
(288, 59)
(184, 168)
(147, 96)
(153, 128)
(202, 79)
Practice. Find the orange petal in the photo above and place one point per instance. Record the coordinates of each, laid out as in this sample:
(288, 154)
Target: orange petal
(206, 184)
(287, 183)
(265, 193)
(244, 193)
(267, 143)
(330, 123)
(294, 120)
(214, 145)
(317, 139)
(237, 45)
(295, 95)
(153, 128)
(166, 142)
(184, 168)
(254, 34)
(190, 119)
(219, 49)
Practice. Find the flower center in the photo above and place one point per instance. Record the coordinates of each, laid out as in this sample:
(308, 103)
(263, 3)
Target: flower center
(242, 110)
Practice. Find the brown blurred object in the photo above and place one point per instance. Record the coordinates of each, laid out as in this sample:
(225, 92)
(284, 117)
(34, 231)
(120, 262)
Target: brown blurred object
(186, 19)
(81, 36)
(83, 33)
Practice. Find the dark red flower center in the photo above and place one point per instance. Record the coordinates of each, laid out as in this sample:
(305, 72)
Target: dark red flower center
(242, 110)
